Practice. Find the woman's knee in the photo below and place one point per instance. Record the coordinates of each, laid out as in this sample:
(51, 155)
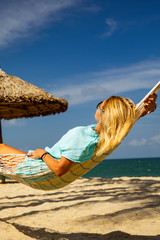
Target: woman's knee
(3, 148)
(6, 149)
(3, 145)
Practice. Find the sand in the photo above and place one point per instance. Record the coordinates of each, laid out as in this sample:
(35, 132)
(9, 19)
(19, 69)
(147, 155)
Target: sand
(94, 208)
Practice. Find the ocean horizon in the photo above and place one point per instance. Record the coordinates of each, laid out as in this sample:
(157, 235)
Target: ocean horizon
(128, 167)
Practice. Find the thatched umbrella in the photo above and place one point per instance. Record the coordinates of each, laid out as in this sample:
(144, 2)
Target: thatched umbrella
(20, 99)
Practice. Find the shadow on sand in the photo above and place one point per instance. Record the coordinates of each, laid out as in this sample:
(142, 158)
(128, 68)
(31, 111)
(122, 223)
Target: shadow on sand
(145, 191)
(46, 234)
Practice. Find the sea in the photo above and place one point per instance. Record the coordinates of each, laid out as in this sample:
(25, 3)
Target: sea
(133, 167)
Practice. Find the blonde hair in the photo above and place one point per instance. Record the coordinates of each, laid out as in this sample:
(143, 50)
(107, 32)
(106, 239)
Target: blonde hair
(117, 118)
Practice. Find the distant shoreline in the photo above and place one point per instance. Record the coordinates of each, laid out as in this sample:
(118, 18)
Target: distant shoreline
(132, 167)
(131, 158)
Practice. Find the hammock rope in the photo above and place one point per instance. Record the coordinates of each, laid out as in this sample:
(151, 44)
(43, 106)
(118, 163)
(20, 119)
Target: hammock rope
(46, 179)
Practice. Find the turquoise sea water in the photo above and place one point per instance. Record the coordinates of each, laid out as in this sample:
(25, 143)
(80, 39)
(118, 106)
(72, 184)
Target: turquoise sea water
(126, 167)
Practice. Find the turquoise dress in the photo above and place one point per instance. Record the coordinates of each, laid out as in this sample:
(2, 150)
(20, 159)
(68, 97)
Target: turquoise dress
(77, 145)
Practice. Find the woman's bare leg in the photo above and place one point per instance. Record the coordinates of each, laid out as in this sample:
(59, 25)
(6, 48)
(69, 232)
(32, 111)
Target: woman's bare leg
(5, 149)
(10, 162)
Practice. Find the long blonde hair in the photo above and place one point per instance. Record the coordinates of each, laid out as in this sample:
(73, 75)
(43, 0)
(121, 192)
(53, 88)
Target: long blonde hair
(117, 118)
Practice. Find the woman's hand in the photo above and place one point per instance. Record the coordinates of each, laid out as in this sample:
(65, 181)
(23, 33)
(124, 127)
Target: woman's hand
(58, 167)
(36, 154)
(150, 104)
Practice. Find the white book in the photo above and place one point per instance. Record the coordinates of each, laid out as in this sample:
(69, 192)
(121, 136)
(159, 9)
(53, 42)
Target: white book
(155, 89)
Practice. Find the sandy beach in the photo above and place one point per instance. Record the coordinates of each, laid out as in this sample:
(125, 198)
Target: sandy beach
(94, 208)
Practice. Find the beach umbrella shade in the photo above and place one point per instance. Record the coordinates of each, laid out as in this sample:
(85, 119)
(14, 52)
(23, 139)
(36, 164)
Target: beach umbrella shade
(20, 99)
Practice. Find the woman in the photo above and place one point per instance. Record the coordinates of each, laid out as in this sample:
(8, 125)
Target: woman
(115, 116)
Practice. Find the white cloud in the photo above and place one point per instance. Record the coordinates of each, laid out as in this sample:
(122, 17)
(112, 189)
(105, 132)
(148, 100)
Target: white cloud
(138, 142)
(102, 84)
(19, 18)
(155, 139)
(14, 123)
(112, 26)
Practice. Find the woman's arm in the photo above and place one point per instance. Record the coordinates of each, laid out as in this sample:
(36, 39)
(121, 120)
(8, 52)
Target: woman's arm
(58, 167)
(150, 104)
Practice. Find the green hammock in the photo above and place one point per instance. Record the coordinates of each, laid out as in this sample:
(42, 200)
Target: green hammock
(47, 180)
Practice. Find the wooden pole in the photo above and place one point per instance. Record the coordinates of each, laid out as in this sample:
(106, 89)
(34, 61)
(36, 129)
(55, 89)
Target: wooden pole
(1, 141)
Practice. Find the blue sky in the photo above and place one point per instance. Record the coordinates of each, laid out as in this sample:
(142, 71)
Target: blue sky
(84, 51)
